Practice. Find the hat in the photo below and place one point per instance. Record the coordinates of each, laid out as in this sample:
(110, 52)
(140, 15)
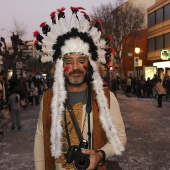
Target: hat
(83, 38)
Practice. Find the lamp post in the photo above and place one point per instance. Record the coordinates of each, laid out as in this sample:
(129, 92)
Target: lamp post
(137, 51)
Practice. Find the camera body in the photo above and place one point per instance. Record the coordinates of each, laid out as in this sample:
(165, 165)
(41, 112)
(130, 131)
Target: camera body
(74, 153)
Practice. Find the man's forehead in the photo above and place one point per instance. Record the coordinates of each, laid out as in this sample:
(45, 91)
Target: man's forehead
(76, 56)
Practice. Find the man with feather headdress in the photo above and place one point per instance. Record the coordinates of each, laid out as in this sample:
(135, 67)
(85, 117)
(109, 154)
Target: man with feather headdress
(80, 124)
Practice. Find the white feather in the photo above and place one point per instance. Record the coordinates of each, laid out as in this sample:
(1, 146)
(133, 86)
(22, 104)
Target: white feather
(105, 117)
(93, 31)
(59, 97)
(47, 51)
(63, 25)
(101, 43)
(46, 58)
(74, 22)
(96, 36)
(84, 25)
(101, 56)
(75, 45)
(51, 36)
(58, 32)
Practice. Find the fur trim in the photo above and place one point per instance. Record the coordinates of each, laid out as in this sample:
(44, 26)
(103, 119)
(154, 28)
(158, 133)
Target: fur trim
(105, 117)
(57, 107)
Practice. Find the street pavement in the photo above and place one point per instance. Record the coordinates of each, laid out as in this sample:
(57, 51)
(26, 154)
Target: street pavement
(147, 128)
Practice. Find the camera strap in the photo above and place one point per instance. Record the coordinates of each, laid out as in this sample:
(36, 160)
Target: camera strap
(88, 110)
(75, 123)
(67, 131)
(74, 119)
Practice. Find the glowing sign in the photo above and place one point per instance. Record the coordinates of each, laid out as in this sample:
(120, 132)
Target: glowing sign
(165, 54)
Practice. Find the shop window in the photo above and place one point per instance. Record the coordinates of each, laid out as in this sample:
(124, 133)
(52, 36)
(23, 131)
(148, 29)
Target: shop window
(159, 42)
(151, 44)
(167, 40)
(159, 15)
(167, 12)
(151, 19)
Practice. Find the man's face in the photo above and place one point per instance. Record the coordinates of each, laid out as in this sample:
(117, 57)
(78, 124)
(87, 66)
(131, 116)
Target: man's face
(75, 68)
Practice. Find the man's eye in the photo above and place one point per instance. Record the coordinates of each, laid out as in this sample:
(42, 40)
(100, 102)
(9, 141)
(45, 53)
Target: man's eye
(68, 61)
(81, 61)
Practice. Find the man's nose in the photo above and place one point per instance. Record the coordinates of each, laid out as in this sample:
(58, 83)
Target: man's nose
(75, 65)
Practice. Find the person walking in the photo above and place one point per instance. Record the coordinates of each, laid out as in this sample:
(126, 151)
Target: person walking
(80, 123)
(161, 92)
(15, 109)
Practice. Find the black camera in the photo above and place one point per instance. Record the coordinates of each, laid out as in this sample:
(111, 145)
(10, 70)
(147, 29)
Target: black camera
(74, 153)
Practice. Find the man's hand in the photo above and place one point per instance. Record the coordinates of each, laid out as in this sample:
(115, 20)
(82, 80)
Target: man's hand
(94, 158)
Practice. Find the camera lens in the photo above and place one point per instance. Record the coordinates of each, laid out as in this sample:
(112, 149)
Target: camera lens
(82, 161)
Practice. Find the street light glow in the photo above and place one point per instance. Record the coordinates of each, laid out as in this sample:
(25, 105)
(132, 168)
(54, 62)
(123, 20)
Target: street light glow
(137, 50)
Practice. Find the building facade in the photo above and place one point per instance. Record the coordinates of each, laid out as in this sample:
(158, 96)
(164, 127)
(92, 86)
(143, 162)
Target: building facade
(159, 36)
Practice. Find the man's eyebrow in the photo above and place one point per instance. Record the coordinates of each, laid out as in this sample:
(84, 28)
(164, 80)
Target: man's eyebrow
(81, 57)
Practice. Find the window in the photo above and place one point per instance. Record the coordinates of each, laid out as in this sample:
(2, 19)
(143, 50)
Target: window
(151, 19)
(159, 15)
(159, 42)
(151, 44)
(167, 12)
(167, 40)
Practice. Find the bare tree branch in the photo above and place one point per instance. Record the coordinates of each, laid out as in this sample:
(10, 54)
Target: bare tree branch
(122, 20)
(18, 28)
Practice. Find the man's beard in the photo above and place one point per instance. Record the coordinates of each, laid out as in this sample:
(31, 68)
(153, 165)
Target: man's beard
(75, 80)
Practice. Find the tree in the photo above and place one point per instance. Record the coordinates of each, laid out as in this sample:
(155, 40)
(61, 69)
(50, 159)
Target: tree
(123, 21)
(10, 55)
(18, 29)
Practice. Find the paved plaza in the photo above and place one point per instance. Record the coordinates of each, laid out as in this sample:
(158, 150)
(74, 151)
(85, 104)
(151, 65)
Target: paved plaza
(147, 128)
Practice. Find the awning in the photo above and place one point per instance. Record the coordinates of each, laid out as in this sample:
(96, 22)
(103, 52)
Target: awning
(162, 64)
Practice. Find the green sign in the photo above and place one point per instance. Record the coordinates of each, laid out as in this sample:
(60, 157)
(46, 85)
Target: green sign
(165, 54)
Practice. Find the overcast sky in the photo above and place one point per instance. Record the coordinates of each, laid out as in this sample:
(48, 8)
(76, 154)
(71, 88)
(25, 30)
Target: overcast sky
(32, 13)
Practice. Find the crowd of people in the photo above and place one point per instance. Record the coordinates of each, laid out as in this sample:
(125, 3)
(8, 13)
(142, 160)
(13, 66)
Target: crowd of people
(17, 93)
(144, 88)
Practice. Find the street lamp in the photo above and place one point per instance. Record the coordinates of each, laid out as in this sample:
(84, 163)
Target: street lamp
(136, 60)
(137, 50)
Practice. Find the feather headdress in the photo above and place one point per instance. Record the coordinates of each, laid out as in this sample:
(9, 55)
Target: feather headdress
(78, 37)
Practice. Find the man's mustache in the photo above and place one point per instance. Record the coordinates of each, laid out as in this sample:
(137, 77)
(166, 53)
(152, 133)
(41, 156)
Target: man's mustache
(76, 72)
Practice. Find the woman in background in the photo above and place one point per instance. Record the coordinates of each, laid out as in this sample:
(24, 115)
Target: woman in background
(161, 92)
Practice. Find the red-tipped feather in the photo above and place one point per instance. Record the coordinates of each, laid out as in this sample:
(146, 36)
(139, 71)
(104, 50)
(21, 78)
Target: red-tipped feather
(72, 8)
(112, 50)
(42, 24)
(61, 10)
(76, 8)
(97, 20)
(110, 38)
(35, 43)
(81, 8)
(52, 14)
(84, 13)
(36, 33)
